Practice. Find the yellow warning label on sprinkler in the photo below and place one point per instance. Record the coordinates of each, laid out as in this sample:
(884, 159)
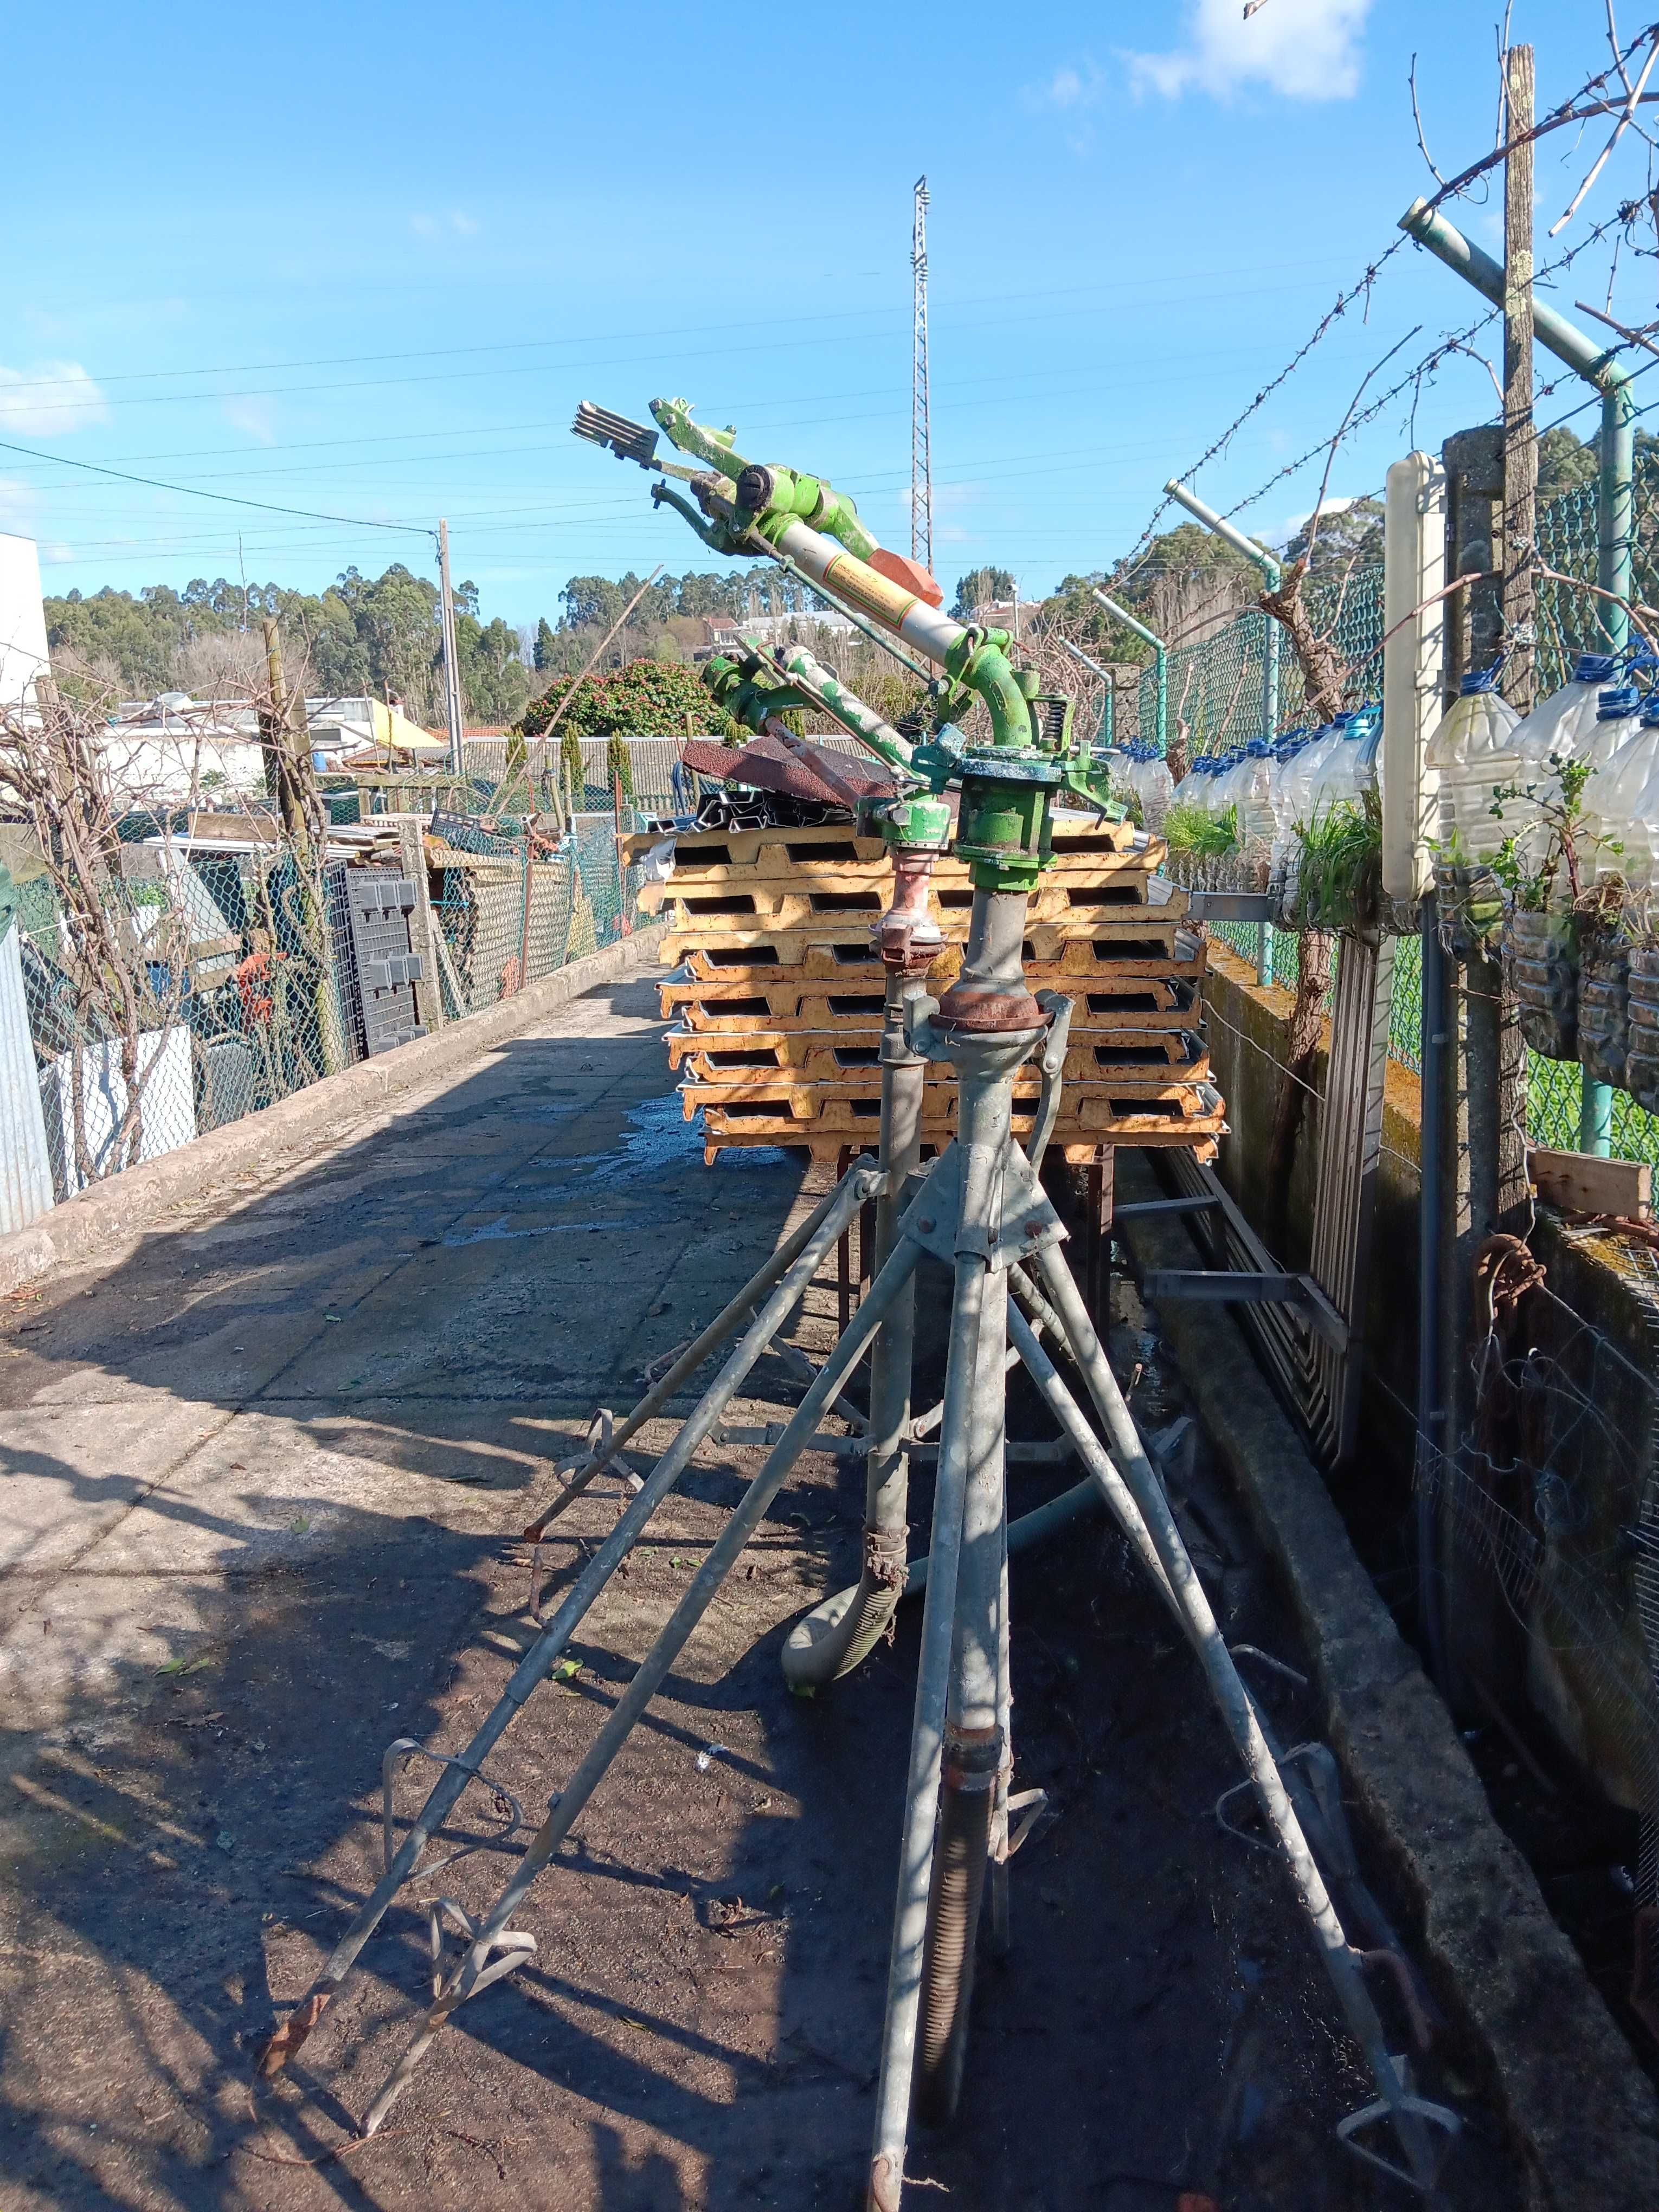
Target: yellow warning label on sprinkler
(856, 580)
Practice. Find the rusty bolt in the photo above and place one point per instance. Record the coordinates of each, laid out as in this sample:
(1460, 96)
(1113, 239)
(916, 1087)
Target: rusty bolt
(926, 1227)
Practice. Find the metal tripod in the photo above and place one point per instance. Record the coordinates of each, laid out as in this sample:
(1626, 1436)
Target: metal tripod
(982, 1212)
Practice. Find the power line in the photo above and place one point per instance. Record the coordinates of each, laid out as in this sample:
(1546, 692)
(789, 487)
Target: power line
(617, 337)
(224, 498)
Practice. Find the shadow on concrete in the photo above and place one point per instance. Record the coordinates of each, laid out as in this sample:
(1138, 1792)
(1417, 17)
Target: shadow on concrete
(331, 1406)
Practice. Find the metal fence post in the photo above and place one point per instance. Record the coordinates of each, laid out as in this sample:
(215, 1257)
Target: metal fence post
(624, 927)
(1160, 656)
(1231, 535)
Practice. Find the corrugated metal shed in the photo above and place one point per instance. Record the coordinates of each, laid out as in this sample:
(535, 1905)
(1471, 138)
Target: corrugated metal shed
(25, 1165)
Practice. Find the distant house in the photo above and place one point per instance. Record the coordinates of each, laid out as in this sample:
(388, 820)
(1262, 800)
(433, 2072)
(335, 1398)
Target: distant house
(165, 748)
(1006, 614)
(726, 633)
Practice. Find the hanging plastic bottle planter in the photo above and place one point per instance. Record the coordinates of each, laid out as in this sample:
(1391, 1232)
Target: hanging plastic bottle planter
(1543, 962)
(1642, 1034)
(1603, 1008)
(1470, 752)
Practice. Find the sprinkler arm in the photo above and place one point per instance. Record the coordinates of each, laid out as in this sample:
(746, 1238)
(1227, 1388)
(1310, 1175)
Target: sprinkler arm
(763, 487)
(749, 507)
(765, 684)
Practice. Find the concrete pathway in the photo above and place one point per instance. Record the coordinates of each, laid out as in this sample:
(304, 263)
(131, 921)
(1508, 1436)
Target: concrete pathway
(257, 1520)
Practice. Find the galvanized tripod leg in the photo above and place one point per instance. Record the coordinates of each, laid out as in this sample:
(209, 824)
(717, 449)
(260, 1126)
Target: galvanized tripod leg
(927, 1741)
(494, 1942)
(958, 1676)
(841, 1204)
(830, 1640)
(973, 1732)
(1136, 1497)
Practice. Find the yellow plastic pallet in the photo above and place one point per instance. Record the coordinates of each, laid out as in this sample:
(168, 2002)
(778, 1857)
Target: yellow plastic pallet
(737, 1004)
(1078, 1151)
(790, 855)
(771, 907)
(1146, 946)
(1087, 1121)
(845, 1101)
(805, 1055)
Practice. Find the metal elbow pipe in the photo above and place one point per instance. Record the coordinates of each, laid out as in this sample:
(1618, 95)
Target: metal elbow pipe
(987, 671)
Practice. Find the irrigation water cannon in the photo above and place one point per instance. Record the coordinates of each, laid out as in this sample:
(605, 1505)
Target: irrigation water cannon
(978, 1210)
(744, 507)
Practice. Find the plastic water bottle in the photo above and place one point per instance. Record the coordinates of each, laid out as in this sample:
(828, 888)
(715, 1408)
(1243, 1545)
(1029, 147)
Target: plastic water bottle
(1469, 752)
(1627, 806)
(1255, 812)
(1617, 722)
(1366, 731)
(1286, 753)
(1558, 726)
(1186, 792)
(1555, 731)
(1341, 773)
(1157, 789)
(1304, 783)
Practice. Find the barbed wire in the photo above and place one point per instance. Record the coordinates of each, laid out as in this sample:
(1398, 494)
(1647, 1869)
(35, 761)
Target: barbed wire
(1564, 112)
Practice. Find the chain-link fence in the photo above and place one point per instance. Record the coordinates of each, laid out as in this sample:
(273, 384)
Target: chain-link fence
(1214, 689)
(202, 982)
(648, 769)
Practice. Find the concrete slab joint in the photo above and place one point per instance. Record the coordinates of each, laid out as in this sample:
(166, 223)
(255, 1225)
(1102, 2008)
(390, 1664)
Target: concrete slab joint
(96, 1223)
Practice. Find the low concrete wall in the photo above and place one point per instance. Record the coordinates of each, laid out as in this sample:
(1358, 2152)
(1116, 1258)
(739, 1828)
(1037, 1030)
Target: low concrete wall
(1587, 1670)
(104, 1219)
(1592, 1421)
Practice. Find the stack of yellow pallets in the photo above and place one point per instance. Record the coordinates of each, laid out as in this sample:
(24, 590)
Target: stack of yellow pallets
(780, 1008)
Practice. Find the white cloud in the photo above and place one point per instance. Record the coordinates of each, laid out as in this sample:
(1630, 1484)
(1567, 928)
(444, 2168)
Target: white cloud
(453, 224)
(255, 418)
(49, 399)
(1304, 49)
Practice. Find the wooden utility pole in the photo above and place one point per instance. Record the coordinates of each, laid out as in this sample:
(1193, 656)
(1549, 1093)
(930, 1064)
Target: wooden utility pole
(1520, 438)
(289, 775)
(287, 738)
(452, 664)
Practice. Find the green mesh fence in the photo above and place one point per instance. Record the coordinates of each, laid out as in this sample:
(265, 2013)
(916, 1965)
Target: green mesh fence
(1214, 688)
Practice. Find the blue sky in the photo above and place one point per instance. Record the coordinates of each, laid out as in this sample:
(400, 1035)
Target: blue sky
(364, 260)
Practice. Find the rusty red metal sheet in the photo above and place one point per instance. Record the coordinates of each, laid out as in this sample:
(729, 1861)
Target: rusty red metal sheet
(765, 765)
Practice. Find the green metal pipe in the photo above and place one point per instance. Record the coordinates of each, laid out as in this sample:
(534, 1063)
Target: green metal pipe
(831, 696)
(1160, 660)
(1104, 734)
(988, 670)
(1615, 494)
(1615, 506)
(1554, 331)
(1270, 568)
